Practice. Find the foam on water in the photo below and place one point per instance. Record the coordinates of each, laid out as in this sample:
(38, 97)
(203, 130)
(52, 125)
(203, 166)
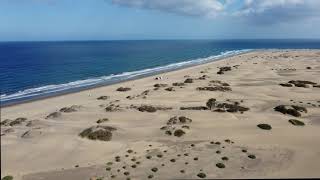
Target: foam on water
(56, 88)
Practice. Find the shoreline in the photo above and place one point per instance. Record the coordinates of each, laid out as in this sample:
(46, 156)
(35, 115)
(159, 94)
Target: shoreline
(90, 87)
(81, 89)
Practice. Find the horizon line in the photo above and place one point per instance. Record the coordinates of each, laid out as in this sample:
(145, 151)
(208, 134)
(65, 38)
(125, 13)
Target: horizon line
(199, 39)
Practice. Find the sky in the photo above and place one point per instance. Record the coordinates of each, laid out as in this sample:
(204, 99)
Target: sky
(55, 20)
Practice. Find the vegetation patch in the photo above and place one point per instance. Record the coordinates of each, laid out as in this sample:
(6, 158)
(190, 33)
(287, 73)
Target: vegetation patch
(178, 84)
(178, 133)
(160, 85)
(291, 110)
(169, 89)
(214, 88)
(203, 77)
(224, 69)
(5, 122)
(102, 120)
(216, 106)
(154, 169)
(220, 165)
(202, 175)
(196, 108)
(300, 83)
(72, 108)
(7, 178)
(103, 133)
(218, 83)
(54, 115)
(147, 108)
(296, 122)
(17, 121)
(112, 108)
(189, 80)
(286, 85)
(264, 126)
(123, 89)
(103, 98)
(225, 158)
(150, 108)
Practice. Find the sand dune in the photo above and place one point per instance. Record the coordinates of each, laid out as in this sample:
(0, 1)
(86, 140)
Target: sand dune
(167, 128)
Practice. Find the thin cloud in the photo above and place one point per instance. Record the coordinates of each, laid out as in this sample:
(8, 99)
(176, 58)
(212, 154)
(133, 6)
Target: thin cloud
(254, 11)
(278, 11)
(207, 8)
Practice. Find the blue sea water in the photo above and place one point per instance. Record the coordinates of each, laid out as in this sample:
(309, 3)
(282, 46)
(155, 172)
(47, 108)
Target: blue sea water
(30, 70)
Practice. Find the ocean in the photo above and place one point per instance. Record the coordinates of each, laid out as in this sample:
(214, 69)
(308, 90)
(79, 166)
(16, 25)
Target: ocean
(32, 70)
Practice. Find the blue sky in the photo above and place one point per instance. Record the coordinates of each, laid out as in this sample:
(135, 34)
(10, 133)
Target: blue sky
(28, 20)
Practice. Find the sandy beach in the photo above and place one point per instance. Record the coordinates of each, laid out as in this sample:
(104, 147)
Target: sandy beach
(255, 115)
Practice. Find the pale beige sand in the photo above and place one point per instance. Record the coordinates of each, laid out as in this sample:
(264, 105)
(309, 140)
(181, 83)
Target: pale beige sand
(52, 148)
